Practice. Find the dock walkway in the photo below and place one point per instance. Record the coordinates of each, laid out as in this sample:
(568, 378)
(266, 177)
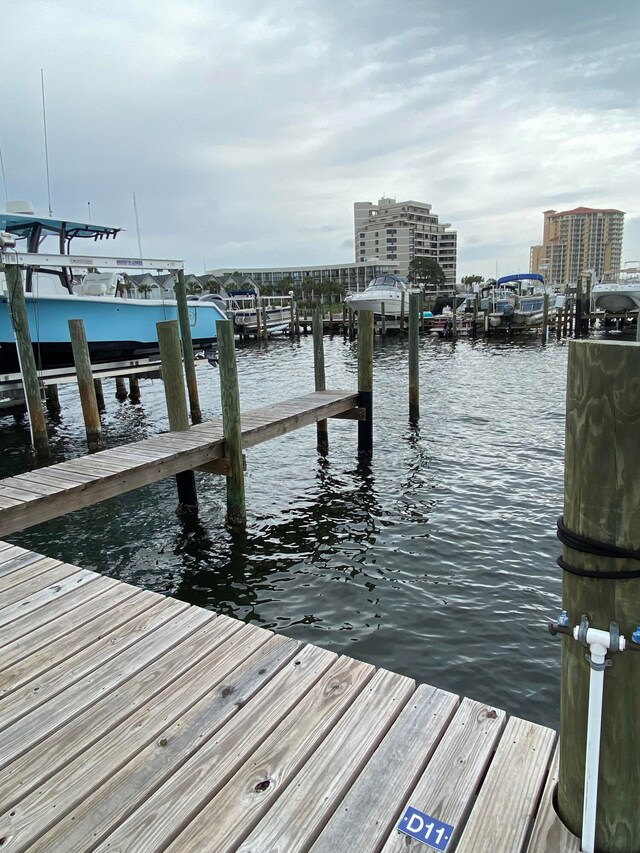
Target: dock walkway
(46, 493)
(135, 722)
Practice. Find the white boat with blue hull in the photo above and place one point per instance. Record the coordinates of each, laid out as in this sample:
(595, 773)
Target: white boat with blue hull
(117, 327)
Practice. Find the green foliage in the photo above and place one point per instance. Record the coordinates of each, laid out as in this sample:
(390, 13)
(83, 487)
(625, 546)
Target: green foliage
(472, 279)
(426, 271)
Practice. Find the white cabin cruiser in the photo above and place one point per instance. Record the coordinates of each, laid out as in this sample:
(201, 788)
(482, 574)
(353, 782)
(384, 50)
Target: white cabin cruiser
(386, 288)
(616, 297)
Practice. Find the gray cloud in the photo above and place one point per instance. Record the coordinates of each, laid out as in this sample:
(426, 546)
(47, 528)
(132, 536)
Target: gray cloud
(247, 129)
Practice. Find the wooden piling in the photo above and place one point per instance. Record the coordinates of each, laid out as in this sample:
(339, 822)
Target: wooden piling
(26, 358)
(414, 363)
(383, 321)
(297, 322)
(121, 388)
(344, 317)
(258, 323)
(559, 322)
(602, 502)
(84, 374)
(173, 378)
(402, 298)
(474, 331)
(421, 310)
(187, 348)
(292, 322)
(134, 389)
(53, 400)
(454, 319)
(351, 322)
(99, 391)
(320, 379)
(545, 317)
(230, 395)
(365, 382)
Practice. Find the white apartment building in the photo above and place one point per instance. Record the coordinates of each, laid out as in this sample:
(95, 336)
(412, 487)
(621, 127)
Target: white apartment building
(347, 276)
(396, 232)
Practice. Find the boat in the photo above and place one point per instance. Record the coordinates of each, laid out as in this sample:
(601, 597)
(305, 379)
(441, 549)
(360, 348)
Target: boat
(617, 297)
(117, 327)
(243, 306)
(387, 289)
(515, 301)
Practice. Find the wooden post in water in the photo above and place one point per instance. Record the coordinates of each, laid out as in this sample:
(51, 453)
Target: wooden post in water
(365, 382)
(84, 374)
(121, 388)
(383, 321)
(351, 322)
(97, 387)
(414, 353)
(187, 348)
(297, 321)
(454, 319)
(402, 296)
(330, 316)
(258, 323)
(545, 317)
(320, 379)
(559, 322)
(292, 322)
(602, 502)
(577, 320)
(344, 317)
(52, 398)
(134, 389)
(27, 361)
(422, 310)
(474, 331)
(230, 395)
(173, 378)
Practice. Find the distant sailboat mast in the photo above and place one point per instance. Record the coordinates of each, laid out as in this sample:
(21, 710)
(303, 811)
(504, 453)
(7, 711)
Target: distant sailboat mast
(46, 143)
(135, 210)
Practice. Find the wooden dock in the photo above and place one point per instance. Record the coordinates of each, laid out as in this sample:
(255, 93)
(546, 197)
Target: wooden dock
(46, 493)
(134, 722)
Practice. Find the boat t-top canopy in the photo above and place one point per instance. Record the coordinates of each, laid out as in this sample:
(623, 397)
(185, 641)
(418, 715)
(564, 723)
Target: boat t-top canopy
(522, 276)
(23, 225)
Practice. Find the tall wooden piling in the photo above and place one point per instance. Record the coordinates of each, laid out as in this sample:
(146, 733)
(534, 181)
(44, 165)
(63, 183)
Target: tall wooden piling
(97, 387)
(577, 320)
(402, 309)
(173, 378)
(414, 356)
(297, 321)
(365, 382)
(84, 374)
(52, 399)
(230, 395)
(30, 383)
(121, 388)
(383, 320)
(187, 348)
(320, 379)
(258, 323)
(134, 389)
(454, 319)
(474, 331)
(292, 321)
(602, 502)
(545, 317)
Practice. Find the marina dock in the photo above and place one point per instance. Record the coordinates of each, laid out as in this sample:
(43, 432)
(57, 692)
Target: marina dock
(131, 721)
(42, 494)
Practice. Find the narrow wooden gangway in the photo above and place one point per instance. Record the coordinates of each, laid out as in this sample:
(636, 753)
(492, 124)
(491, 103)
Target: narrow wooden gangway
(46, 493)
(134, 722)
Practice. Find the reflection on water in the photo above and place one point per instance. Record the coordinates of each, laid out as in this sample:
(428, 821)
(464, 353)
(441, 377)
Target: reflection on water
(435, 558)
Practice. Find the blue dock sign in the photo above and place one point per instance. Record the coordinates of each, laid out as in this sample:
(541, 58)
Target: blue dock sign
(425, 828)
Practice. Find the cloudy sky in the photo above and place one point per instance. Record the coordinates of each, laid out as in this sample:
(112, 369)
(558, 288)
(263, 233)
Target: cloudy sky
(247, 129)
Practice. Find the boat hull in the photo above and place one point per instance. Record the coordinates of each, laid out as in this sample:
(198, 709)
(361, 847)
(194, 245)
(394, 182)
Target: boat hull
(116, 328)
(616, 299)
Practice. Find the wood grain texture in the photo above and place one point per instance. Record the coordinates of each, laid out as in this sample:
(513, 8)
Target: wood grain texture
(602, 501)
(15, 599)
(110, 708)
(378, 794)
(502, 816)
(161, 817)
(549, 833)
(297, 818)
(451, 778)
(229, 817)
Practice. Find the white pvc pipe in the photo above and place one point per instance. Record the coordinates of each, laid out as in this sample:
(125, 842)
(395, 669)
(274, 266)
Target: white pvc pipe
(592, 757)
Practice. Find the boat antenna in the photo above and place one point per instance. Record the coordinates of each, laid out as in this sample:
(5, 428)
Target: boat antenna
(46, 144)
(89, 206)
(135, 210)
(4, 177)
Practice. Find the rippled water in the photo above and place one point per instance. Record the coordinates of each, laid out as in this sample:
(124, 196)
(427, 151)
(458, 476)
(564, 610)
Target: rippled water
(436, 560)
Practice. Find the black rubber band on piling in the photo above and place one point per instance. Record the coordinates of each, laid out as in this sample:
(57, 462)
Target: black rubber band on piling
(598, 549)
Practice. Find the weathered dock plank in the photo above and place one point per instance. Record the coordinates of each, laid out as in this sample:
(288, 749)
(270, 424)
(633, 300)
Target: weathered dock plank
(135, 722)
(46, 493)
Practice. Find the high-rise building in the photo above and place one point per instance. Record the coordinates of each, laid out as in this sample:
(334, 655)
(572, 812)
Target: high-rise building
(573, 241)
(396, 232)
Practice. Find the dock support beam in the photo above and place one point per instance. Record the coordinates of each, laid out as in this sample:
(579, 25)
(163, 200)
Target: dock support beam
(602, 502)
(30, 383)
(84, 374)
(173, 378)
(97, 384)
(121, 388)
(545, 317)
(229, 392)
(414, 353)
(365, 382)
(320, 379)
(187, 349)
